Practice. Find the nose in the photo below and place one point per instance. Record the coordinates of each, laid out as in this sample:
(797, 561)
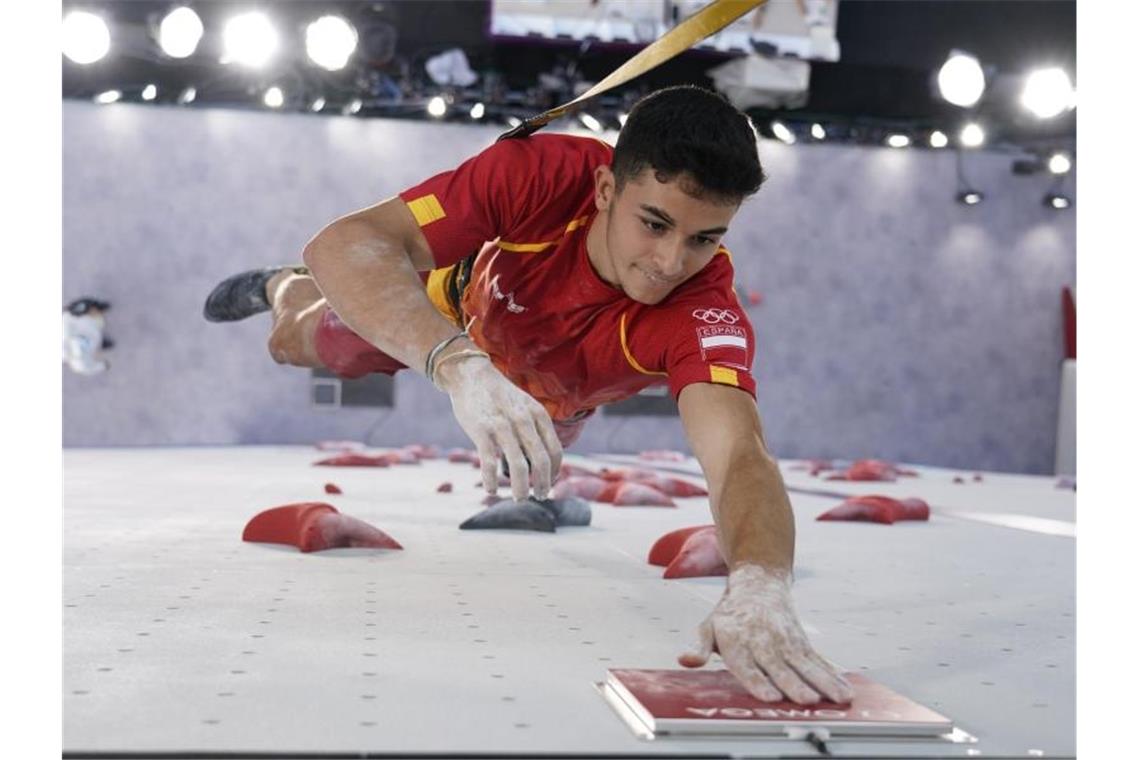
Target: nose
(669, 261)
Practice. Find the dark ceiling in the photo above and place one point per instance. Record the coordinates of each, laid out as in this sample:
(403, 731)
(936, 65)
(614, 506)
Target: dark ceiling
(889, 51)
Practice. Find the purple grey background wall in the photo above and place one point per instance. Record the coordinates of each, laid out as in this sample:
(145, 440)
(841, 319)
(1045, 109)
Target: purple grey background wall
(895, 322)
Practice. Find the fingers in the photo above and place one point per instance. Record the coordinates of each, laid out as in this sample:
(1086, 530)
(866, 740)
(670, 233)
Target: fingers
(538, 458)
(816, 671)
(516, 462)
(488, 461)
(785, 677)
(739, 661)
(550, 441)
(698, 657)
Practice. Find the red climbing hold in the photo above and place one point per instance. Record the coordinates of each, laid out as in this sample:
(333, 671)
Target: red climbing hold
(692, 552)
(313, 526)
(355, 460)
(880, 509)
(332, 488)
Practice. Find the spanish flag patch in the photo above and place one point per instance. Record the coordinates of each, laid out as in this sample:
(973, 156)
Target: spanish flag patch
(723, 375)
(426, 209)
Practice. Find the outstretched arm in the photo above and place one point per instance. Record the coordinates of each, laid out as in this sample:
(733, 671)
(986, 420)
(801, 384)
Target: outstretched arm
(754, 626)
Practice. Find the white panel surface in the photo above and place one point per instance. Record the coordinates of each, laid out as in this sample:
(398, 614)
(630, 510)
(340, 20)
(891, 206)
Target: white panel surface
(180, 637)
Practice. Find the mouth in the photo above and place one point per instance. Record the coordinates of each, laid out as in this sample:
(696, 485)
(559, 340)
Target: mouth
(658, 279)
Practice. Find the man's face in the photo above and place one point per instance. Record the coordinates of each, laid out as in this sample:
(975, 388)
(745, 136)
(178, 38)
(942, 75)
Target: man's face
(657, 235)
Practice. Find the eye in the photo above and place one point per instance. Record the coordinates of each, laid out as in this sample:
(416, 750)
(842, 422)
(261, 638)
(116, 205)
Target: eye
(702, 240)
(653, 226)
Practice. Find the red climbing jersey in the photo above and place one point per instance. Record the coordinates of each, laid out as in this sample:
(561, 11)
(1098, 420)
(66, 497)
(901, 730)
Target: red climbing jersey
(535, 303)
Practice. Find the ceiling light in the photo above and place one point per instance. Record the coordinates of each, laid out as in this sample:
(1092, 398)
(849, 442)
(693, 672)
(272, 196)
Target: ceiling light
(782, 133)
(1047, 93)
(437, 107)
(273, 97)
(1059, 163)
(1057, 201)
(972, 135)
(249, 39)
(354, 106)
(590, 122)
(938, 139)
(317, 105)
(187, 96)
(514, 121)
(960, 80)
(180, 32)
(898, 141)
(150, 92)
(330, 41)
(478, 110)
(818, 132)
(622, 117)
(86, 38)
(970, 197)
(110, 96)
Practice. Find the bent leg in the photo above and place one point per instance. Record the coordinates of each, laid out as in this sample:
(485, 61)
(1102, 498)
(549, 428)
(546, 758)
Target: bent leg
(297, 306)
(307, 332)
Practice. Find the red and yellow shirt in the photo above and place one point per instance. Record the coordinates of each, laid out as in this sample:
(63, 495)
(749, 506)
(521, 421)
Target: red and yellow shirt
(535, 303)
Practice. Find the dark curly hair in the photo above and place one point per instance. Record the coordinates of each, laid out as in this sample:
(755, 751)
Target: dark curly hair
(688, 130)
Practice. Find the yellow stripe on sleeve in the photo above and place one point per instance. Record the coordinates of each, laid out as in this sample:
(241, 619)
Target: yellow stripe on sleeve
(426, 209)
(723, 375)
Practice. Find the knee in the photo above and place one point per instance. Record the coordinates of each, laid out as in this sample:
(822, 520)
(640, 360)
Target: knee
(282, 344)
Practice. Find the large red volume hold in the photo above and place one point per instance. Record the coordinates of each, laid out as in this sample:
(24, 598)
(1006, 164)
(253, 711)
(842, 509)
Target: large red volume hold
(313, 526)
(669, 546)
(692, 552)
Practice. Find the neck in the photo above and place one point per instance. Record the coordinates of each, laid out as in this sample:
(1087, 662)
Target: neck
(596, 249)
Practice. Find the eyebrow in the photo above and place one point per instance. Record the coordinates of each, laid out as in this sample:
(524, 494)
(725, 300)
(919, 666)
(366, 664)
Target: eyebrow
(669, 220)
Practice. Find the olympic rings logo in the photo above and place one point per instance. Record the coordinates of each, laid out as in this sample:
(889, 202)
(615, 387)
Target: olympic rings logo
(716, 316)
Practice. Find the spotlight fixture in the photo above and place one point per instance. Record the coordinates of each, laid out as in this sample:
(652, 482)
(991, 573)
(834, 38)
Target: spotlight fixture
(273, 97)
(180, 32)
(330, 41)
(782, 133)
(150, 92)
(86, 38)
(437, 106)
(818, 132)
(478, 110)
(960, 80)
(317, 105)
(1059, 163)
(187, 96)
(249, 39)
(938, 139)
(970, 197)
(590, 122)
(972, 135)
(1047, 93)
(1057, 201)
(109, 96)
(898, 141)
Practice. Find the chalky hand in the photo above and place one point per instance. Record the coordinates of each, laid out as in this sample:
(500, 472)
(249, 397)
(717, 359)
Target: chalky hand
(755, 629)
(500, 417)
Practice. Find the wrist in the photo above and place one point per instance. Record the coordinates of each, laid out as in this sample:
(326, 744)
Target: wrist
(455, 364)
(752, 575)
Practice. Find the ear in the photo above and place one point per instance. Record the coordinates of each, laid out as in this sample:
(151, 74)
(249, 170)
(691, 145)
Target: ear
(605, 188)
